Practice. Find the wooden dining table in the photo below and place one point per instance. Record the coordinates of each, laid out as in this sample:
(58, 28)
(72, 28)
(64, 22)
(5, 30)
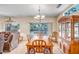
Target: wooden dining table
(39, 45)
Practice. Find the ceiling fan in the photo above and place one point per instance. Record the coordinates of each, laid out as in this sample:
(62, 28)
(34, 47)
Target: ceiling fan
(59, 5)
(9, 20)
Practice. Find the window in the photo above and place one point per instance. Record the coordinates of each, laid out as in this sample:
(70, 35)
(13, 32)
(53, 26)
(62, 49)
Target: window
(13, 27)
(38, 27)
(72, 10)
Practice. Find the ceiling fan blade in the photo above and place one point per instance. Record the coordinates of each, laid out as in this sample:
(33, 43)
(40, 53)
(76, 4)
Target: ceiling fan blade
(9, 20)
(59, 5)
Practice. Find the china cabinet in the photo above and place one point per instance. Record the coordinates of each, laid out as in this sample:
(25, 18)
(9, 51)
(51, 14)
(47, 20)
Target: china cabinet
(69, 34)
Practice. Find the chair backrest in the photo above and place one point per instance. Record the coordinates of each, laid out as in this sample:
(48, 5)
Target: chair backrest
(14, 42)
(10, 38)
(1, 38)
(6, 35)
(39, 43)
(28, 38)
(55, 34)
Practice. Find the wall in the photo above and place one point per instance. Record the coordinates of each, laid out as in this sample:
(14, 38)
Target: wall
(25, 21)
(2, 25)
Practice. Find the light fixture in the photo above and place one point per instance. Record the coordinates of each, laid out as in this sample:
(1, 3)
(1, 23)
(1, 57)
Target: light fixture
(39, 16)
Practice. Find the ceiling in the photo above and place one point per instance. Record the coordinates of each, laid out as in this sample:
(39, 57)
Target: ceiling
(31, 9)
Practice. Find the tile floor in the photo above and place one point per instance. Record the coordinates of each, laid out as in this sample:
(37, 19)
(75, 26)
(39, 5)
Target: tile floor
(21, 49)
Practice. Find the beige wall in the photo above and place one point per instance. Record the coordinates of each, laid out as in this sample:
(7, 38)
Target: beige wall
(58, 20)
(25, 24)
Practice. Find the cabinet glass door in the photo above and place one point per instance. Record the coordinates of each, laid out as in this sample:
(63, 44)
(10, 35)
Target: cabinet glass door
(76, 30)
(68, 30)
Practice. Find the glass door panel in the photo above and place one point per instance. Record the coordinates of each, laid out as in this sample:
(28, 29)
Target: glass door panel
(76, 30)
(68, 30)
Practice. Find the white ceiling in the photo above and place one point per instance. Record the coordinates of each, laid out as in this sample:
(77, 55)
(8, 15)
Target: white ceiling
(31, 9)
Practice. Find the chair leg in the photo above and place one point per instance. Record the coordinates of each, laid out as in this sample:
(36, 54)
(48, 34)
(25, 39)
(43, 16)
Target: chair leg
(9, 47)
(0, 52)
